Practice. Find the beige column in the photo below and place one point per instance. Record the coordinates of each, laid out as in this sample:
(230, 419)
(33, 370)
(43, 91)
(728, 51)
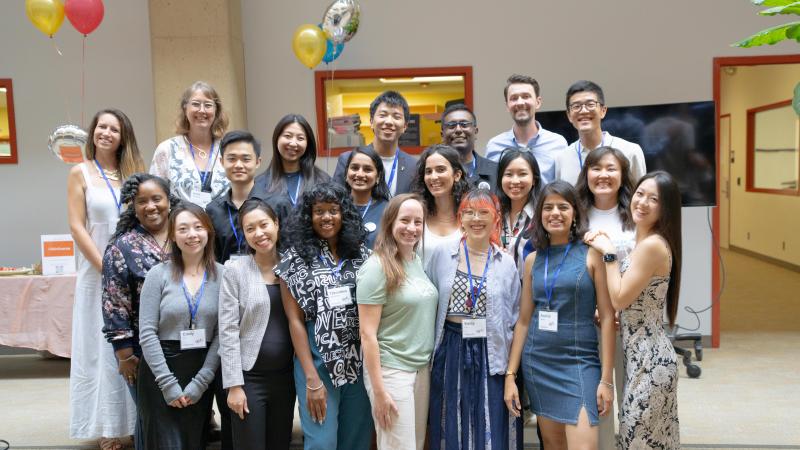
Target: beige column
(196, 40)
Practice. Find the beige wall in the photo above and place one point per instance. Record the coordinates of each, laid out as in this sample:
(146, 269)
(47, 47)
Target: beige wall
(47, 94)
(761, 223)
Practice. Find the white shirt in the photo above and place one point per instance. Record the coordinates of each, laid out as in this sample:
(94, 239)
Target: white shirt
(568, 164)
(387, 170)
(431, 241)
(608, 220)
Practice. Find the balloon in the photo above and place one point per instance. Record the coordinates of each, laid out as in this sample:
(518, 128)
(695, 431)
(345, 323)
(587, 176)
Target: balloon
(341, 19)
(46, 15)
(332, 51)
(85, 15)
(308, 44)
(67, 142)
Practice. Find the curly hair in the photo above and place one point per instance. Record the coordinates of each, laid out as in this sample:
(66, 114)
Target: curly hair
(129, 191)
(625, 191)
(540, 236)
(300, 233)
(460, 186)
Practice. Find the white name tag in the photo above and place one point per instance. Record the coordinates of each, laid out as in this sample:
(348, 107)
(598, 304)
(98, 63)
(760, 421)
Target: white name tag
(200, 198)
(473, 328)
(339, 297)
(548, 320)
(193, 339)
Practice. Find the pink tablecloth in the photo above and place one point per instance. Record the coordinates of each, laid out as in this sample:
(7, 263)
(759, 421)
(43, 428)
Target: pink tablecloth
(36, 312)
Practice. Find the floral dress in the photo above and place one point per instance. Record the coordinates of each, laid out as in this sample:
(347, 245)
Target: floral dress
(173, 161)
(650, 408)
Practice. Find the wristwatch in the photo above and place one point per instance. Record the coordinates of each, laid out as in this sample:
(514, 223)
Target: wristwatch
(609, 257)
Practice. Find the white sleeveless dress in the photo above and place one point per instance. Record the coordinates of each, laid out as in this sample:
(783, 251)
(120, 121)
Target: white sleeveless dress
(100, 403)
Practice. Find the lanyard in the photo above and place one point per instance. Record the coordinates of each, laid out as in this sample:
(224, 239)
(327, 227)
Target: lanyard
(510, 233)
(296, 190)
(548, 291)
(364, 214)
(235, 234)
(335, 270)
(474, 166)
(394, 169)
(110, 188)
(203, 175)
(472, 301)
(193, 309)
(578, 149)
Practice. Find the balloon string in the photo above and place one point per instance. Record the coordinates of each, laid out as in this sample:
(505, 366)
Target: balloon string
(83, 82)
(57, 63)
(55, 46)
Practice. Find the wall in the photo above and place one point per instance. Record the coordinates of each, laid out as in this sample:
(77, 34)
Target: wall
(759, 222)
(47, 91)
(641, 52)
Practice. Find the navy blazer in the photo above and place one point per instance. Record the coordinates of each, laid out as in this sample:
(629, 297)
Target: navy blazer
(406, 168)
(485, 170)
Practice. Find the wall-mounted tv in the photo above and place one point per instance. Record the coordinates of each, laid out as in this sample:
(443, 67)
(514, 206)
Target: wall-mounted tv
(678, 138)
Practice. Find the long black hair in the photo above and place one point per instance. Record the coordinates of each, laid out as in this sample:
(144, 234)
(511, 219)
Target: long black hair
(380, 191)
(301, 233)
(625, 186)
(128, 193)
(509, 155)
(311, 174)
(668, 227)
(540, 236)
(460, 186)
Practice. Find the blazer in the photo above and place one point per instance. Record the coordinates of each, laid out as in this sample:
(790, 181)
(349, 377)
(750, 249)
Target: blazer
(485, 170)
(406, 169)
(243, 317)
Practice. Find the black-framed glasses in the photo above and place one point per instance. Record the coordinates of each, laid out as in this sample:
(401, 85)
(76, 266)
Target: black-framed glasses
(590, 105)
(458, 123)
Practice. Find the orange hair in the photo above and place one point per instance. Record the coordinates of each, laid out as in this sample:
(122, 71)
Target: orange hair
(483, 199)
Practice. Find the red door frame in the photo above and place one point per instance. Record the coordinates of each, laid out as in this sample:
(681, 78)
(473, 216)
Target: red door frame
(718, 64)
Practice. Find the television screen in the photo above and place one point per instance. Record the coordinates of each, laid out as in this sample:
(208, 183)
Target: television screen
(677, 138)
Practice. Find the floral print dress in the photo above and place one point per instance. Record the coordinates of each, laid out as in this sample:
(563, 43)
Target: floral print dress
(650, 408)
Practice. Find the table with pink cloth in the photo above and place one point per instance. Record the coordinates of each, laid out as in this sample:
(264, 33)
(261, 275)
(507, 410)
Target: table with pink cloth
(36, 312)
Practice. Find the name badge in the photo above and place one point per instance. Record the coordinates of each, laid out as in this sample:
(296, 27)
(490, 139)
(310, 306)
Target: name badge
(548, 320)
(193, 339)
(339, 297)
(200, 198)
(473, 328)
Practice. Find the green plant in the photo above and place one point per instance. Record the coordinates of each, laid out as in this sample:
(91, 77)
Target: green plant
(773, 35)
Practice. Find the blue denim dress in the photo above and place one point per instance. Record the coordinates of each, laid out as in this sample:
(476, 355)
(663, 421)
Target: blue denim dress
(562, 368)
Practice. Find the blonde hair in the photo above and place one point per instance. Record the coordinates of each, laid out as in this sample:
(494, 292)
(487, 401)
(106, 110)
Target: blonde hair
(129, 160)
(386, 246)
(220, 124)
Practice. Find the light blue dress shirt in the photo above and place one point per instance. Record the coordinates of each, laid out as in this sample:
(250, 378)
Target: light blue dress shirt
(546, 146)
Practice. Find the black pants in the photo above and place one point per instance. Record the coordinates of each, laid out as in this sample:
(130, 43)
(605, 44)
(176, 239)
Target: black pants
(270, 399)
(225, 414)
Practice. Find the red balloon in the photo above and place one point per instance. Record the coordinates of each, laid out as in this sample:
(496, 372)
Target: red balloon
(84, 15)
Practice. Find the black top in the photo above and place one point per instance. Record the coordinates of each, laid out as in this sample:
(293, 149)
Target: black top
(485, 170)
(225, 242)
(276, 350)
(373, 216)
(263, 183)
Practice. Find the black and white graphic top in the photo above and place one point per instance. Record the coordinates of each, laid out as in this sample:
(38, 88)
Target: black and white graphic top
(314, 285)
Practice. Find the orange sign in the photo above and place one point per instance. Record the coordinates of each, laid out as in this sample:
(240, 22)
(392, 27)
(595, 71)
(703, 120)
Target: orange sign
(71, 154)
(59, 248)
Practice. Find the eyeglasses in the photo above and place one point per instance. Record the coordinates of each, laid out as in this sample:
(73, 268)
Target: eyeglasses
(482, 214)
(590, 105)
(460, 123)
(202, 105)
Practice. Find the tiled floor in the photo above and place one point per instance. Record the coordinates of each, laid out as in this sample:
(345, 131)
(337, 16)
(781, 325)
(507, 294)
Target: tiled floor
(747, 396)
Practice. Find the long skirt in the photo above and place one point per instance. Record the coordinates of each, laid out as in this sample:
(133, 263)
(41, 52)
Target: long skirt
(467, 410)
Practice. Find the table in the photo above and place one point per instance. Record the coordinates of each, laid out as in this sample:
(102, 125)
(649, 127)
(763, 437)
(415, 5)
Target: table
(36, 312)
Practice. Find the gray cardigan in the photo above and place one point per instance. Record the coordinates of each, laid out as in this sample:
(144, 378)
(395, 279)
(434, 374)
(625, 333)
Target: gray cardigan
(163, 314)
(244, 308)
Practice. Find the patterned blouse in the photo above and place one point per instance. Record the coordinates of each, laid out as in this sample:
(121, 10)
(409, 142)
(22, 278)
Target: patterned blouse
(337, 335)
(173, 161)
(126, 261)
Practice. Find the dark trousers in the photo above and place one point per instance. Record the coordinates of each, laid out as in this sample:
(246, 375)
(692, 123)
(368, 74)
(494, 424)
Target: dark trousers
(270, 399)
(221, 396)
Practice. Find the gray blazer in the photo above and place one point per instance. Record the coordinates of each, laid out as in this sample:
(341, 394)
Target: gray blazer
(243, 317)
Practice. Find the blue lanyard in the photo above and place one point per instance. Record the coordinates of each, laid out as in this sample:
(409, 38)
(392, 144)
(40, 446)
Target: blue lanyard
(296, 190)
(203, 175)
(235, 234)
(473, 294)
(548, 291)
(335, 270)
(193, 309)
(474, 166)
(578, 149)
(394, 169)
(110, 188)
(364, 214)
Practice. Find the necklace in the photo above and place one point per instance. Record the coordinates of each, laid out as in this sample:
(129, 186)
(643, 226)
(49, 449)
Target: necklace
(203, 154)
(112, 174)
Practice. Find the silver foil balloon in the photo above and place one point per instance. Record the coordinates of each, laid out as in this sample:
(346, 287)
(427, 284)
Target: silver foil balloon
(341, 20)
(67, 142)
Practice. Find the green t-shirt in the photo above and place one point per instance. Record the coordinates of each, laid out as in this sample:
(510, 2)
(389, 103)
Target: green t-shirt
(408, 318)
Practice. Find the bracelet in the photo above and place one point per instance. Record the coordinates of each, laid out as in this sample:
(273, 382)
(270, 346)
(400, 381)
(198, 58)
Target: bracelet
(512, 373)
(133, 355)
(321, 385)
(610, 385)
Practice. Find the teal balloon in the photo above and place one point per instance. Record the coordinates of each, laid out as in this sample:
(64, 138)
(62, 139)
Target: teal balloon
(332, 52)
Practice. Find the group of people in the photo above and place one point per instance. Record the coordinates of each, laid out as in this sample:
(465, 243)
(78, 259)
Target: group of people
(433, 291)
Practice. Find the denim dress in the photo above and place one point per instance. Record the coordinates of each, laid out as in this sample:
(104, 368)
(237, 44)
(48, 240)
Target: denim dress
(562, 368)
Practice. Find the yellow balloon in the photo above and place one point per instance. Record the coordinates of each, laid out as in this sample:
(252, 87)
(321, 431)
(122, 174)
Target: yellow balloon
(309, 44)
(46, 15)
